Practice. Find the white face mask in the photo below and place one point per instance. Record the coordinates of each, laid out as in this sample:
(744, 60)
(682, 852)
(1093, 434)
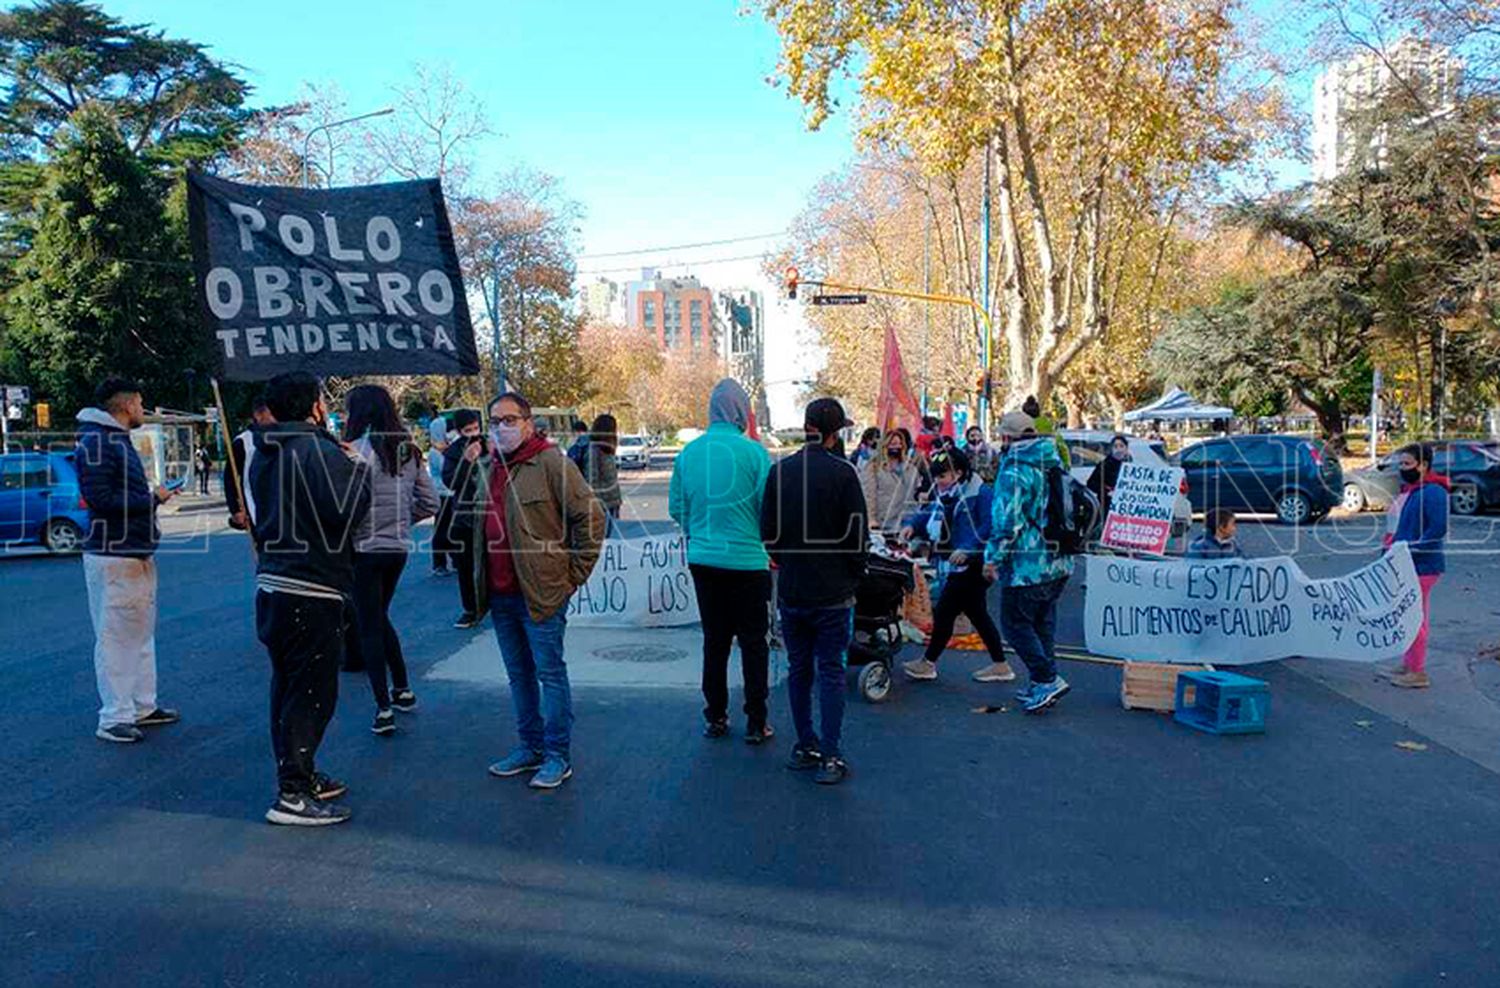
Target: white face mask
(507, 438)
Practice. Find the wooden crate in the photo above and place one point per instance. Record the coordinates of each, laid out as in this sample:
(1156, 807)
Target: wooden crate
(1151, 685)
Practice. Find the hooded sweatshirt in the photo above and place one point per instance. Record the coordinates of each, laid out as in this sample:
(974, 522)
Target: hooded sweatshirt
(1018, 547)
(112, 480)
(717, 485)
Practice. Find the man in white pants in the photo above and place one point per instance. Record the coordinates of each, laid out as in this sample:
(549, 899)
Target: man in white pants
(118, 563)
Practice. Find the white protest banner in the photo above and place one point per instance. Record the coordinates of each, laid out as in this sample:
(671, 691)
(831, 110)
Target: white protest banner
(637, 583)
(1237, 611)
(1140, 509)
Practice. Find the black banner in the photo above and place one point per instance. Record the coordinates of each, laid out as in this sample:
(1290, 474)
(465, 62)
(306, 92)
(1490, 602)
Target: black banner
(360, 280)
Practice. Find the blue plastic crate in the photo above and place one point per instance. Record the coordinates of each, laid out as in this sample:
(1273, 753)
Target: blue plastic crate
(1222, 702)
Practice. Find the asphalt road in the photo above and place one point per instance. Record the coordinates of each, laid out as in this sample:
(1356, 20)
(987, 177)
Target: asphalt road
(1089, 846)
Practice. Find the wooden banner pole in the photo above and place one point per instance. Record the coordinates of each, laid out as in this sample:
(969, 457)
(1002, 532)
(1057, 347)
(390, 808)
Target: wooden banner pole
(233, 466)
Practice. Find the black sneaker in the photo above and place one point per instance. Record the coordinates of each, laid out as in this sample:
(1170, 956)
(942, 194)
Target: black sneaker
(300, 810)
(804, 757)
(158, 717)
(759, 735)
(385, 723)
(120, 734)
(715, 728)
(832, 771)
(403, 700)
(326, 787)
(466, 620)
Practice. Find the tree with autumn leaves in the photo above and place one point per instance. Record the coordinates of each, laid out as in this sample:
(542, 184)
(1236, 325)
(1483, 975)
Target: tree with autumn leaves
(1099, 122)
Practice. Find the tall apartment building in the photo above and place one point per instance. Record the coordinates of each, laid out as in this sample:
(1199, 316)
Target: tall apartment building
(602, 301)
(741, 319)
(676, 312)
(1347, 90)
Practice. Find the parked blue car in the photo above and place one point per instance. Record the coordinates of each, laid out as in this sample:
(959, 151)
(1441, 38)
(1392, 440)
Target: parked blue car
(40, 501)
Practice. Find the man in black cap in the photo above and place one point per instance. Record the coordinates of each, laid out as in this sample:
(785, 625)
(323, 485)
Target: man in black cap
(814, 523)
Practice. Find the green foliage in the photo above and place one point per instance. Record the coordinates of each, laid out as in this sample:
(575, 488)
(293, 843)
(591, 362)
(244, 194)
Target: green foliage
(171, 101)
(106, 286)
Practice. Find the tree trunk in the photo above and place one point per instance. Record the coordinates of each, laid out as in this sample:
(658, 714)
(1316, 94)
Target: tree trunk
(1331, 422)
(1017, 328)
(1117, 407)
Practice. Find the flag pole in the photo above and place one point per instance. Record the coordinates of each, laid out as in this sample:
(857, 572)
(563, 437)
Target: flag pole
(234, 468)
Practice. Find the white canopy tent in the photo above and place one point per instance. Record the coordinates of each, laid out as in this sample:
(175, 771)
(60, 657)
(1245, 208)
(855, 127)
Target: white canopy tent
(1178, 406)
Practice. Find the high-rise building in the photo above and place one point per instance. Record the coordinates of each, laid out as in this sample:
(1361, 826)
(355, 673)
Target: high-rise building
(677, 312)
(1345, 92)
(601, 301)
(741, 320)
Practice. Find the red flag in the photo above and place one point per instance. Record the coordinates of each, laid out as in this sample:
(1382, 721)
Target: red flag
(896, 406)
(948, 420)
(750, 428)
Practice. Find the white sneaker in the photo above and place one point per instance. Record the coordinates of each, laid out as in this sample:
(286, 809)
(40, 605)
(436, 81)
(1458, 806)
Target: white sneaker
(995, 672)
(920, 669)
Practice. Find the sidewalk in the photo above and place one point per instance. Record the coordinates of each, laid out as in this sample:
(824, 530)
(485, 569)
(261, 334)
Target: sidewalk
(649, 658)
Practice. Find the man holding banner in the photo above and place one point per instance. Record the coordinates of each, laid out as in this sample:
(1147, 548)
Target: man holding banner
(294, 284)
(310, 497)
(717, 485)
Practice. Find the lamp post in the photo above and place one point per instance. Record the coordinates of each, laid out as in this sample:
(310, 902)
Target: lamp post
(307, 141)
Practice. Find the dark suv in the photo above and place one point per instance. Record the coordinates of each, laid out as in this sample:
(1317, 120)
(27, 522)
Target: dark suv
(1288, 476)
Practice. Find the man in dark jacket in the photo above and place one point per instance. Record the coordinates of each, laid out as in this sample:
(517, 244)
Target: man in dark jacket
(119, 567)
(814, 523)
(463, 476)
(310, 497)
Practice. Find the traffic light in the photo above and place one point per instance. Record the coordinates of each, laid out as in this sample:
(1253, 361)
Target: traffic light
(43, 415)
(792, 277)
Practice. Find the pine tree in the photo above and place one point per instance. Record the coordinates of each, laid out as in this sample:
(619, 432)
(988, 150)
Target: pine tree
(106, 286)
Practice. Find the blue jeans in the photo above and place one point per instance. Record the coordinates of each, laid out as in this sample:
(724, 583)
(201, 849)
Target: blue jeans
(1028, 620)
(533, 654)
(817, 639)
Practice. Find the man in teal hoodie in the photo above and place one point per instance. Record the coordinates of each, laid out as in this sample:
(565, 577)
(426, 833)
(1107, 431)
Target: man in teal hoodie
(717, 486)
(1031, 573)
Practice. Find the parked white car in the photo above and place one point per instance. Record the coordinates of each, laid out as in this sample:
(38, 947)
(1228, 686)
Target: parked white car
(633, 453)
(1089, 448)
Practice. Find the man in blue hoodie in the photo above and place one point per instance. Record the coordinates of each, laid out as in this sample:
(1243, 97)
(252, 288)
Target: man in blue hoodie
(119, 567)
(717, 485)
(1030, 571)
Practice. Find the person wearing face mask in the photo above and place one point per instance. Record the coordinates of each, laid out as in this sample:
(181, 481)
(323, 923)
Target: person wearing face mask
(461, 473)
(869, 446)
(890, 481)
(1419, 517)
(543, 529)
(957, 523)
(1106, 474)
(311, 497)
(983, 460)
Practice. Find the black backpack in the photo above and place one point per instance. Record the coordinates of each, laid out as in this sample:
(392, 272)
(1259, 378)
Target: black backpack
(1072, 514)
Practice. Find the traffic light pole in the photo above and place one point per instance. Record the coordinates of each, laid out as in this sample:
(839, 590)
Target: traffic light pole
(989, 333)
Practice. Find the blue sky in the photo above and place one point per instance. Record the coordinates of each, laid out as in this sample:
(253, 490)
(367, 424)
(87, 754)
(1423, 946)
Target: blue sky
(657, 118)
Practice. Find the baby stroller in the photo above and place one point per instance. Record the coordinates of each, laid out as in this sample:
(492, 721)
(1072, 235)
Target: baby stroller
(877, 623)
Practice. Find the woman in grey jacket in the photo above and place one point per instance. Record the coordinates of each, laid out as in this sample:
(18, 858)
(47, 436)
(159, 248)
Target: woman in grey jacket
(401, 494)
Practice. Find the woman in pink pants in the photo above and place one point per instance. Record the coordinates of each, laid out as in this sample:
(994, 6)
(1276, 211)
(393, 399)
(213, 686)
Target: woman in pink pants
(1419, 517)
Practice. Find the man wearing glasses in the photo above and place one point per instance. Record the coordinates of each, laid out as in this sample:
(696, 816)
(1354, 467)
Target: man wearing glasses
(543, 529)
